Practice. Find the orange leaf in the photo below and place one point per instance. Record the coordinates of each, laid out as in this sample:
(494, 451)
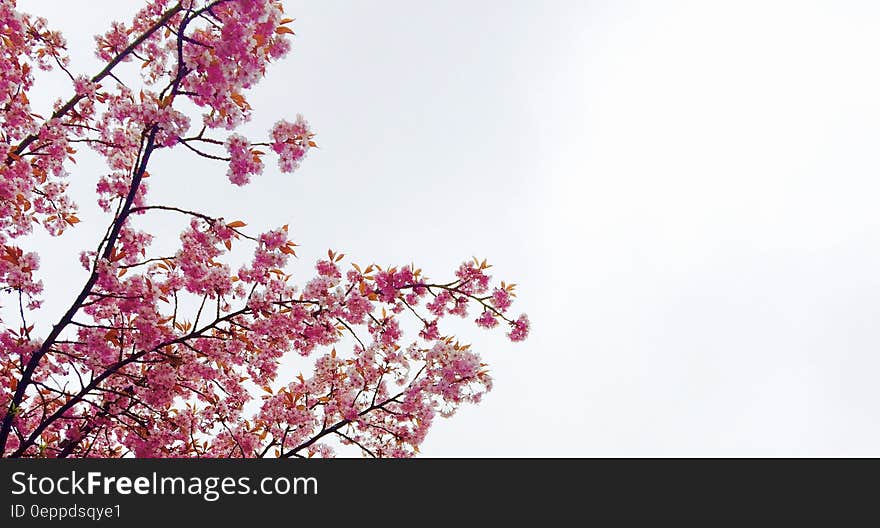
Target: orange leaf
(239, 100)
(281, 30)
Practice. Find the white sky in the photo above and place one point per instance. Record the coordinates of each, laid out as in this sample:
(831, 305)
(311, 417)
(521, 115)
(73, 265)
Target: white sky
(684, 191)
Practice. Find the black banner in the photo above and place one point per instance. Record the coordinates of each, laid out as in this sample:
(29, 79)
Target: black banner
(232, 492)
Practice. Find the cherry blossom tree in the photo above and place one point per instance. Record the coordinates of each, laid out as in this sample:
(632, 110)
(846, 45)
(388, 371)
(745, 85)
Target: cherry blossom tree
(178, 355)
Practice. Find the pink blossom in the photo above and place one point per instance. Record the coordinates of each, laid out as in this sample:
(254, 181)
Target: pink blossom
(327, 269)
(519, 328)
(291, 141)
(487, 320)
(430, 332)
(501, 299)
(243, 162)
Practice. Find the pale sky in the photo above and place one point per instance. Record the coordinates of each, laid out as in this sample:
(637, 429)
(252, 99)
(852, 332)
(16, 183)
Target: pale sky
(684, 192)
